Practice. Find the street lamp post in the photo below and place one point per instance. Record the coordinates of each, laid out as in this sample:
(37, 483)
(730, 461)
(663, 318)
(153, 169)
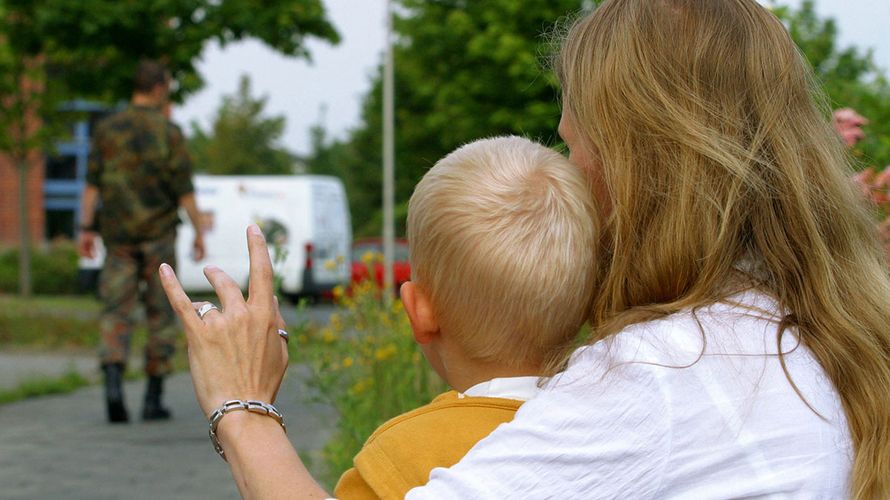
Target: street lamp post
(388, 160)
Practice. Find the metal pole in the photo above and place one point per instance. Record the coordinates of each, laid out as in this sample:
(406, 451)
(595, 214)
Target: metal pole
(388, 160)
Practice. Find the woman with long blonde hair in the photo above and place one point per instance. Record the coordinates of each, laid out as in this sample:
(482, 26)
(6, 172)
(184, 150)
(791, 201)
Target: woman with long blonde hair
(730, 177)
(741, 343)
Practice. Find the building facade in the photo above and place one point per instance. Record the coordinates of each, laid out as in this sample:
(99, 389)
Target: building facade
(55, 182)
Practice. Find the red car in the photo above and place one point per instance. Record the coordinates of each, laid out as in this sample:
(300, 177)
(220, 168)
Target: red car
(367, 253)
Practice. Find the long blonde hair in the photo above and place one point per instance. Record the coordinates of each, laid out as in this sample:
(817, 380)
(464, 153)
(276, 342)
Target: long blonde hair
(715, 152)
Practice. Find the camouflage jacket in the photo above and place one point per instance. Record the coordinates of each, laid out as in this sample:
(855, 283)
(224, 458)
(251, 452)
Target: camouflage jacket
(139, 163)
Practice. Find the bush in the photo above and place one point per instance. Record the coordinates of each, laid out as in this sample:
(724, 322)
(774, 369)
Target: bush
(53, 270)
(364, 363)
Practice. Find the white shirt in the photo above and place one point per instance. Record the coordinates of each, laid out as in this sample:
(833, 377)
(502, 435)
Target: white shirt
(689, 406)
(517, 388)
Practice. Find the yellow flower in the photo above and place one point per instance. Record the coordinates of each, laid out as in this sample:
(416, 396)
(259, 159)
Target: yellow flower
(337, 291)
(330, 265)
(360, 386)
(328, 336)
(366, 287)
(335, 322)
(340, 259)
(384, 319)
(368, 257)
(385, 353)
(347, 362)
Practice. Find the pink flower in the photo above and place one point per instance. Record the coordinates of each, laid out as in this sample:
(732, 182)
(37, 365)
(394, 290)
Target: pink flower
(849, 116)
(864, 180)
(881, 187)
(875, 186)
(848, 124)
(883, 178)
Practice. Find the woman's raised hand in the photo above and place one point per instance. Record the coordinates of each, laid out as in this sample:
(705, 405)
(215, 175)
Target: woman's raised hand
(234, 352)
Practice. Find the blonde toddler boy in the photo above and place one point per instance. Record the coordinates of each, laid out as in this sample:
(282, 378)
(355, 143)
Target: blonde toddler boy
(502, 236)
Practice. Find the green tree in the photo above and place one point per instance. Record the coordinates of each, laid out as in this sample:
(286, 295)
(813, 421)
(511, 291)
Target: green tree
(463, 70)
(96, 44)
(849, 76)
(241, 140)
(53, 50)
(24, 97)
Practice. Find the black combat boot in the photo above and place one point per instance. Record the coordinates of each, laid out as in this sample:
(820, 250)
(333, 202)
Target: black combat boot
(153, 410)
(114, 393)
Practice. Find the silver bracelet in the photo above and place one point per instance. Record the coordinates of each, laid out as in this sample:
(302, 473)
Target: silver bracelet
(239, 405)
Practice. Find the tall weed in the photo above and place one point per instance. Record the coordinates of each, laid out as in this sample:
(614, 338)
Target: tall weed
(365, 363)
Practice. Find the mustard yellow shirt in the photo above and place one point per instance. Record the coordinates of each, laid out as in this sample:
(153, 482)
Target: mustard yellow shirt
(400, 454)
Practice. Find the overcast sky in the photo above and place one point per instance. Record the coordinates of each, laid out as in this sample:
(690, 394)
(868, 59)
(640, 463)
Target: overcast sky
(339, 76)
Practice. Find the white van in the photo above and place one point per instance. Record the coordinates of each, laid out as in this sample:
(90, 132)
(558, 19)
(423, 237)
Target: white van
(305, 219)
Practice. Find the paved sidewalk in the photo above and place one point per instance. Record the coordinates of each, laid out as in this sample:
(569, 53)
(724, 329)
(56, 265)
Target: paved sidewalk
(61, 446)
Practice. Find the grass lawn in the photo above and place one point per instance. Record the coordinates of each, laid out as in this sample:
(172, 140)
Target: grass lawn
(67, 323)
(58, 304)
(63, 323)
(44, 386)
(50, 322)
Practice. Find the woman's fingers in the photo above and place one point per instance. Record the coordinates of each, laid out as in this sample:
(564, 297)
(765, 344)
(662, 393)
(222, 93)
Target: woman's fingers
(230, 352)
(260, 285)
(227, 290)
(180, 302)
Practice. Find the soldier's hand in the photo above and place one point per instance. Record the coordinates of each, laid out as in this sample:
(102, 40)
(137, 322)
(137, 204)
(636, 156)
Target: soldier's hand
(235, 352)
(198, 250)
(86, 244)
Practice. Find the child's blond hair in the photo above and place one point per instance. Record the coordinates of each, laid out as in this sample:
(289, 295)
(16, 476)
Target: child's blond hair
(503, 237)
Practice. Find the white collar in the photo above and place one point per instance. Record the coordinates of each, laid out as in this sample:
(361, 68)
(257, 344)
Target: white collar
(519, 388)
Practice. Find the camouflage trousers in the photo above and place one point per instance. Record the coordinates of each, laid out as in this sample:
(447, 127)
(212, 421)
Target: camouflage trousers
(130, 276)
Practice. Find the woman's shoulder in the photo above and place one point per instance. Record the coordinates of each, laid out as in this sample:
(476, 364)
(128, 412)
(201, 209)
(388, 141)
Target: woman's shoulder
(744, 324)
(713, 382)
(734, 349)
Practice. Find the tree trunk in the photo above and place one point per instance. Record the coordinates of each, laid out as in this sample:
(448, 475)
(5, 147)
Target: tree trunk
(24, 231)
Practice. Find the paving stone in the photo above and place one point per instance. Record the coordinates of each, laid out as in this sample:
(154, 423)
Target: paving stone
(62, 447)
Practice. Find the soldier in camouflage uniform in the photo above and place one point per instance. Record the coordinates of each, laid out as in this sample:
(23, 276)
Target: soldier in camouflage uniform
(141, 172)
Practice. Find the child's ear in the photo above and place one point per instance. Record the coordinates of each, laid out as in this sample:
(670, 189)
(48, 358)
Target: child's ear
(420, 313)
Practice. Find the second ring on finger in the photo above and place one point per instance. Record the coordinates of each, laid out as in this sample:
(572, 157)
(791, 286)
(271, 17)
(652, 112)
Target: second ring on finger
(283, 334)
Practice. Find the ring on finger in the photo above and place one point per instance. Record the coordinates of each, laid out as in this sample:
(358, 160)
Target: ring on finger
(206, 308)
(283, 334)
